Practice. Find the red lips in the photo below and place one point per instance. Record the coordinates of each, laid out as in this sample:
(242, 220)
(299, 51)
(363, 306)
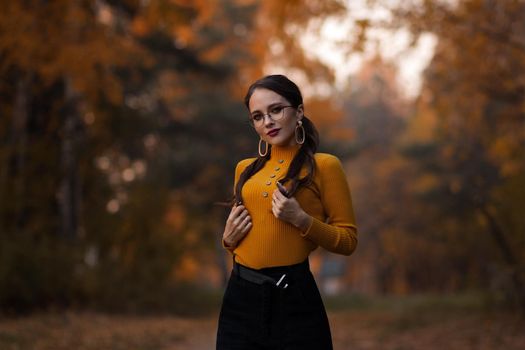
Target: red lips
(273, 132)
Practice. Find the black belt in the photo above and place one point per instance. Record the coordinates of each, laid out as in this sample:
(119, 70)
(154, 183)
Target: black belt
(260, 278)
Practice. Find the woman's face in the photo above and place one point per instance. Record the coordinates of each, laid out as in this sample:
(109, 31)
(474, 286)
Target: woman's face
(280, 132)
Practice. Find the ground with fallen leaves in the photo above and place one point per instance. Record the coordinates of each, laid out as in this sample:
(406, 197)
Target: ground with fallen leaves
(421, 324)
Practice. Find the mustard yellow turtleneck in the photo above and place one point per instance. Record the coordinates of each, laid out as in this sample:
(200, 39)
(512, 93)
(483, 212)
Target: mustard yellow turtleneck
(272, 242)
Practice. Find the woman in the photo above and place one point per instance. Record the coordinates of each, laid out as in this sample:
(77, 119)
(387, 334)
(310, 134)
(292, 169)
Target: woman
(287, 202)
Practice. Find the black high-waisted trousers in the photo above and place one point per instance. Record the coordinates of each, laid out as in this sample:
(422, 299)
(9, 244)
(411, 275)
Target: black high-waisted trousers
(255, 316)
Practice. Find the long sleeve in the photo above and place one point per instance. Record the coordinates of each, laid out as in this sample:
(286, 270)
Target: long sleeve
(339, 233)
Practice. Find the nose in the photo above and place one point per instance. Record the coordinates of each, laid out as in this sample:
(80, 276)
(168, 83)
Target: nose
(267, 121)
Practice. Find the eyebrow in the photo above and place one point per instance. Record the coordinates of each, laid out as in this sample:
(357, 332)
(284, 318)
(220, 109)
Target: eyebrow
(274, 104)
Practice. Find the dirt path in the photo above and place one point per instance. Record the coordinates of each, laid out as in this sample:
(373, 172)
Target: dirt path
(356, 330)
(370, 331)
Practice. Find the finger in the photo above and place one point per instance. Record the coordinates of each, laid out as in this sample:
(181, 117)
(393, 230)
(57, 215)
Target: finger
(279, 195)
(236, 221)
(241, 216)
(282, 189)
(247, 228)
(244, 222)
(275, 212)
(279, 202)
(241, 230)
(236, 211)
(275, 196)
(234, 208)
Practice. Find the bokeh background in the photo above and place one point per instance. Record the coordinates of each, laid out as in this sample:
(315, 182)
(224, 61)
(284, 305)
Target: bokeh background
(121, 122)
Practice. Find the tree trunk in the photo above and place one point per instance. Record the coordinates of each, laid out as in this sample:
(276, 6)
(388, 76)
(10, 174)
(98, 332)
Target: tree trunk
(508, 255)
(68, 195)
(13, 171)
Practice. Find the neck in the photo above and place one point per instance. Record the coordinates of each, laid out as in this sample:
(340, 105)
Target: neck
(284, 152)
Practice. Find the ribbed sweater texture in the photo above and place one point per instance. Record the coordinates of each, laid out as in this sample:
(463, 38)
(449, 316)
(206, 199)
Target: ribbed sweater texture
(273, 242)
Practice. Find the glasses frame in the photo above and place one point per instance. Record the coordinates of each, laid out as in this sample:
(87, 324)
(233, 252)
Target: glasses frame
(279, 116)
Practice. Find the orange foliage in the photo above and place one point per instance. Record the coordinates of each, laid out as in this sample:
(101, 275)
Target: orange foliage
(175, 217)
(187, 269)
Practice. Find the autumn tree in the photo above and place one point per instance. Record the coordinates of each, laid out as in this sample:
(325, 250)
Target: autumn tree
(116, 129)
(474, 87)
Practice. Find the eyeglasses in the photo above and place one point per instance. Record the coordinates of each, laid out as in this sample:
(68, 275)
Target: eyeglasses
(275, 113)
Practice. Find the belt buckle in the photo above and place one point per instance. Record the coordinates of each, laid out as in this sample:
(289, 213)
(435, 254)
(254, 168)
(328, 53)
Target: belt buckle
(278, 284)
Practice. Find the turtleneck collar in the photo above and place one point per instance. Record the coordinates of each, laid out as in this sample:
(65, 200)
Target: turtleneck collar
(284, 152)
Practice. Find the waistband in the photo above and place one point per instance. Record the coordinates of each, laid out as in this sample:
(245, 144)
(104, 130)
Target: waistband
(278, 276)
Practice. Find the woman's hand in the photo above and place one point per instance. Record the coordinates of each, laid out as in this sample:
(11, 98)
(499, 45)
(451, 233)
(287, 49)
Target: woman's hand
(237, 226)
(289, 210)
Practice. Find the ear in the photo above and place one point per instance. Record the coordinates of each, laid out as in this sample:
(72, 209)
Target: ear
(300, 112)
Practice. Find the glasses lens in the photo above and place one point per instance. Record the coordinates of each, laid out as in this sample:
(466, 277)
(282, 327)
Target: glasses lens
(277, 113)
(257, 121)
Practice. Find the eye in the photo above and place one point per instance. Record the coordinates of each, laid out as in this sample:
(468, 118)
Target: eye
(257, 117)
(276, 110)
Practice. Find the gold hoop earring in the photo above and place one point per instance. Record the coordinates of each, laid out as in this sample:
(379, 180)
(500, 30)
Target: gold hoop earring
(265, 150)
(303, 136)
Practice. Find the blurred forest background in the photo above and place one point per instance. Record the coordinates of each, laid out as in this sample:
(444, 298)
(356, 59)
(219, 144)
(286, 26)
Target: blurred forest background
(121, 122)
